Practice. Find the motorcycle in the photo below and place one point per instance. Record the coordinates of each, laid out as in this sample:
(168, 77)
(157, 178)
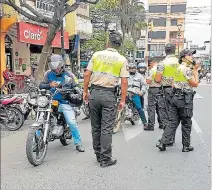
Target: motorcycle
(85, 106)
(10, 114)
(50, 124)
(129, 113)
(208, 80)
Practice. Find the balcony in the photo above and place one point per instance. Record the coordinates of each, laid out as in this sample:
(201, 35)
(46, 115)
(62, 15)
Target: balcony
(176, 40)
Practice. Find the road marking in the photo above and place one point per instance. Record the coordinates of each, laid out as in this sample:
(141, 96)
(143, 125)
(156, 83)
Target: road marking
(197, 96)
(132, 131)
(196, 126)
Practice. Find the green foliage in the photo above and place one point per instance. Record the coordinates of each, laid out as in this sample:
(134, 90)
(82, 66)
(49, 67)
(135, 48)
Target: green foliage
(96, 43)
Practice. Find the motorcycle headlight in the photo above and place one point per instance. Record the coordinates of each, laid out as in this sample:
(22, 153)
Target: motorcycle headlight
(42, 101)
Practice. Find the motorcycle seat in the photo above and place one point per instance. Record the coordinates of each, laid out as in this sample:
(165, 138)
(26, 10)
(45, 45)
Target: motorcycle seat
(7, 101)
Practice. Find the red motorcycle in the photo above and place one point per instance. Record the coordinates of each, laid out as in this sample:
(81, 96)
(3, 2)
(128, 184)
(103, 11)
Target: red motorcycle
(11, 117)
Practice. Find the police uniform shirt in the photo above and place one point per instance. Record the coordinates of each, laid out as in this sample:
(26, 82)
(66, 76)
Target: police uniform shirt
(187, 74)
(107, 67)
(151, 77)
(172, 60)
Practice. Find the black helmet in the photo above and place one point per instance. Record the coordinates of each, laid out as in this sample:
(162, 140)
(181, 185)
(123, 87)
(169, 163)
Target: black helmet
(115, 38)
(170, 48)
(186, 51)
(75, 97)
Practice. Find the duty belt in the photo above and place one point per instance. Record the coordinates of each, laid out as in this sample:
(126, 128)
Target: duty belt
(102, 88)
(177, 91)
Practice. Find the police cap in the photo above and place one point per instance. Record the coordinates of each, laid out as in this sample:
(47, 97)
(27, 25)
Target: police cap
(186, 51)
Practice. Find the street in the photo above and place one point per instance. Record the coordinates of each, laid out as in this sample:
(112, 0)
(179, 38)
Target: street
(140, 164)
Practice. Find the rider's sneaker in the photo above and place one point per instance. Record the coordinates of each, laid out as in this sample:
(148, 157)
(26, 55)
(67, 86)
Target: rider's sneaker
(80, 148)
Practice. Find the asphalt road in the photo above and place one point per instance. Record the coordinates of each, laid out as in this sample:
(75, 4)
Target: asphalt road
(140, 165)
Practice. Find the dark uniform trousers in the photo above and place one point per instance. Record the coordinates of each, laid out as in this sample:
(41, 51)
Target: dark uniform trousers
(103, 107)
(156, 103)
(181, 110)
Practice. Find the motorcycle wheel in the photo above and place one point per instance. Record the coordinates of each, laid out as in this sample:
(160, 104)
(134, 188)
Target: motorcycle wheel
(86, 109)
(35, 145)
(19, 119)
(66, 138)
(118, 121)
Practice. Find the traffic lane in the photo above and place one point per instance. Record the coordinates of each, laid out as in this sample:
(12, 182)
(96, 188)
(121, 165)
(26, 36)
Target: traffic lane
(5, 132)
(140, 165)
(202, 113)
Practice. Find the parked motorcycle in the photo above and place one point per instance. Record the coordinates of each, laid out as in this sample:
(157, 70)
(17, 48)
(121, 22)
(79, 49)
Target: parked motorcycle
(10, 114)
(129, 113)
(50, 124)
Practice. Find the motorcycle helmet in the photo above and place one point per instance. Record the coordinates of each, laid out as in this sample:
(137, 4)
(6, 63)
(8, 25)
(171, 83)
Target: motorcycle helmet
(75, 97)
(56, 64)
(142, 68)
(132, 68)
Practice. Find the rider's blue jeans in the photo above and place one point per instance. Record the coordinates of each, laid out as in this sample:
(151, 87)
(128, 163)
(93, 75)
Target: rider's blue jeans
(137, 101)
(69, 115)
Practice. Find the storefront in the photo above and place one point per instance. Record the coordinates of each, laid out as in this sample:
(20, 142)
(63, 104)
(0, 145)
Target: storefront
(35, 36)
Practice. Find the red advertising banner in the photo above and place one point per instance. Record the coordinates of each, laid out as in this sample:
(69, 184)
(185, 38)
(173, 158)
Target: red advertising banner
(34, 34)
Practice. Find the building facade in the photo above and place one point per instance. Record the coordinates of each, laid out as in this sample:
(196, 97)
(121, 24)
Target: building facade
(168, 17)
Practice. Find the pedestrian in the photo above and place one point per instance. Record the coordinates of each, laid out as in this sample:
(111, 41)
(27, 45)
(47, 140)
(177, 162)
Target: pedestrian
(164, 75)
(103, 73)
(182, 101)
(137, 85)
(155, 100)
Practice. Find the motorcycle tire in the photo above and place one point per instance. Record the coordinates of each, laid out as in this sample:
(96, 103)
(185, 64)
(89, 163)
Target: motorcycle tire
(66, 141)
(117, 124)
(21, 117)
(86, 110)
(132, 122)
(31, 149)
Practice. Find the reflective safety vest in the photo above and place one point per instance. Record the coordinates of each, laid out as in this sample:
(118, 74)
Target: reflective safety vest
(154, 70)
(179, 75)
(107, 63)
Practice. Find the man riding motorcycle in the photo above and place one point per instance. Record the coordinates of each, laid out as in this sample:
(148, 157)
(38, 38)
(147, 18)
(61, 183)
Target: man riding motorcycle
(137, 85)
(142, 68)
(57, 77)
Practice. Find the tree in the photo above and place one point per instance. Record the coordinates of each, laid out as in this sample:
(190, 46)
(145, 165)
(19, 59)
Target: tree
(96, 43)
(61, 9)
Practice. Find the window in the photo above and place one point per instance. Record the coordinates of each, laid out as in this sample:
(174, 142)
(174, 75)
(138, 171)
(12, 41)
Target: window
(173, 35)
(158, 8)
(159, 22)
(157, 47)
(46, 6)
(157, 35)
(178, 8)
(156, 50)
(140, 54)
(173, 22)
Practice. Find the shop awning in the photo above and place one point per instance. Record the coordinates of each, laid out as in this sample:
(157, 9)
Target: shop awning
(34, 34)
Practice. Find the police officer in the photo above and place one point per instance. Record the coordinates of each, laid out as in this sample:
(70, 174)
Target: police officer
(103, 72)
(165, 72)
(185, 79)
(137, 85)
(154, 97)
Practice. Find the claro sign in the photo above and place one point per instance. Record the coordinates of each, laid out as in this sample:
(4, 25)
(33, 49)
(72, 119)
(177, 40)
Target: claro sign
(34, 34)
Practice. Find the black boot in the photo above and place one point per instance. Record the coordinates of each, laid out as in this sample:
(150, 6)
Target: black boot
(106, 163)
(148, 128)
(98, 158)
(79, 148)
(187, 148)
(161, 146)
